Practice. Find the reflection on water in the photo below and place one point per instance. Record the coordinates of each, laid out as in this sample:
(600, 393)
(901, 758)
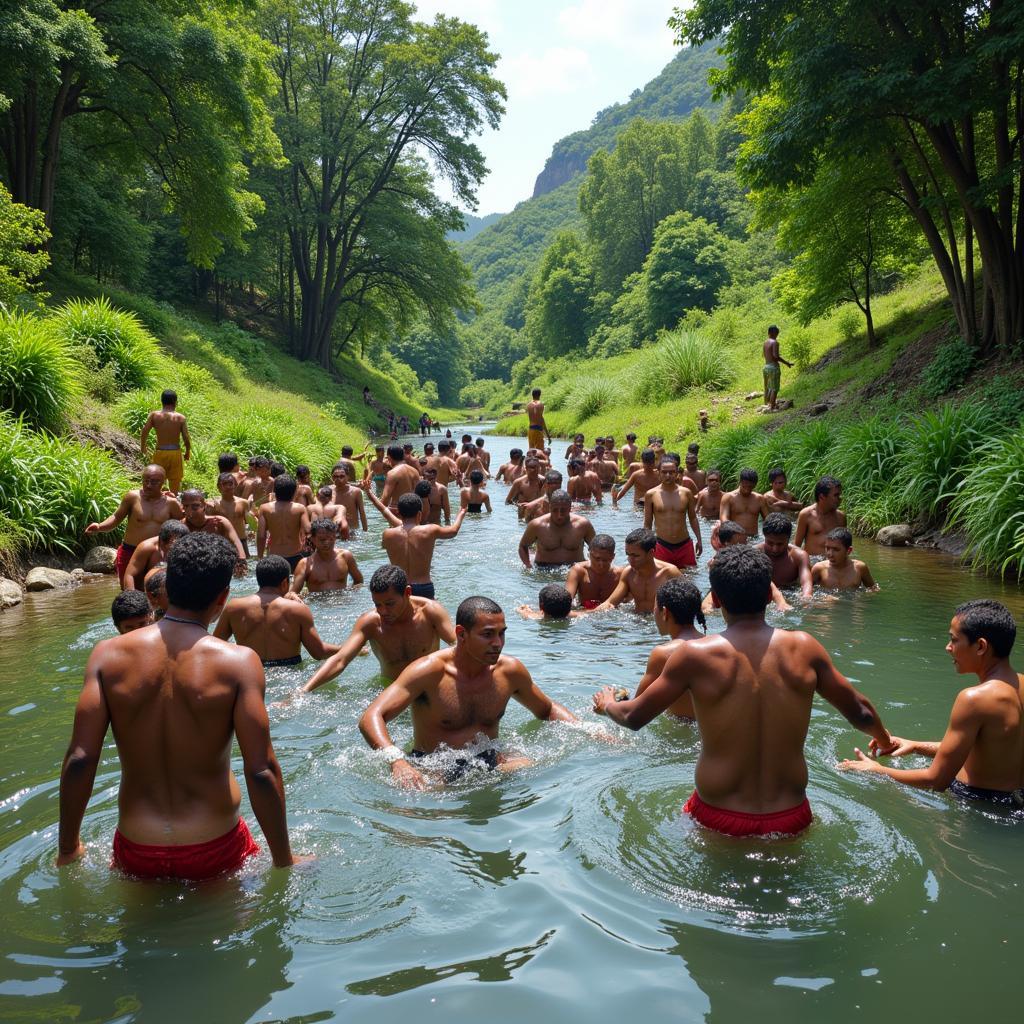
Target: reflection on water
(576, 883)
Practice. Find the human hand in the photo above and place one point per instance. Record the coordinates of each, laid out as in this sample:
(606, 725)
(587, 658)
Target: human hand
(863, 763)
(292, 596)
(406, 776)
(897, 747)
(699, 547)
(63, 859)
(603, 697)
(93, 528)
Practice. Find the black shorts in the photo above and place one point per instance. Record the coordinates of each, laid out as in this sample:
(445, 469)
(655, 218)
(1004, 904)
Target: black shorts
(295, 659)
(455, 769)
(1013, 798)
(422, 590)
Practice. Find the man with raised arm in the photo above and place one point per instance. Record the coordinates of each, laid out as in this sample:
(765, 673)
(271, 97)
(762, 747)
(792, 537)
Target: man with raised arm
(458, 697)
(667, 508)
(753, 687)
(981, 757)
(146, 509)
(175, 699)
(171, 433)
(640, 480)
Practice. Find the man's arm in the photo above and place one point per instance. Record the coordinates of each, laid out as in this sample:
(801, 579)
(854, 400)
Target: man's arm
(801, 527)
(146, 428)
(301, 572)
(528, 537)
(135, 572)
(630, 482)
(724, 511)
(442, 622)
(655, 665)
(339, 661)
(353, 569)
(186, 439)
(261, 532)
(263, 779)
(659, 695)
(361, 510)
(648, 511)
(227, 530)
(778, 599)
(616, 597)
(534, 699)
(382, 508)
(311, 640)
(573, 580)
(111, 521)
(78, 772)
(452, 530)
(804, 574)
(510, 498)
(446, 506)
(225, 627)
(691, 511)
(867, 579)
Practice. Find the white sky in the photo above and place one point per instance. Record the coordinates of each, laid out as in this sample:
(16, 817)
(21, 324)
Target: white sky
(561, 61)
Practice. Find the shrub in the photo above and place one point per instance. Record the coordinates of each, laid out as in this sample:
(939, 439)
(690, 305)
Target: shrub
(590, 397)
(848, 324)
(867, 455)
(810, 457)
(798, 345)
(100, 382)
(1003, 402)
(38, 375)
(729, 450)
(248, 348)
(427, 394)
(949, 368)
(480, 392)
(274, 433)
(681, 362)
(115, 336)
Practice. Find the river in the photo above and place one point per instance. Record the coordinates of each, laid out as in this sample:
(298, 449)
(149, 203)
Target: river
(575, 886)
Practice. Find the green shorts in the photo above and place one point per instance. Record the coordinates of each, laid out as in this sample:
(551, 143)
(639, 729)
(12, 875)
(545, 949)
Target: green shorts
(772, 376)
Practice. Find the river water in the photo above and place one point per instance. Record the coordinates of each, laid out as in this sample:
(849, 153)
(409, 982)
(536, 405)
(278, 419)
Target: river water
(574, 886)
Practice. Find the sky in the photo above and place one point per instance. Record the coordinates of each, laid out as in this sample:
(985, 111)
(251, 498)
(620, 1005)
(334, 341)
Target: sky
(561, 62)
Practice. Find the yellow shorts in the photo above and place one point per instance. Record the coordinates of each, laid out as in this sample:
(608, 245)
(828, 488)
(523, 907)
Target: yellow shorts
(170, 461)
(535, 437)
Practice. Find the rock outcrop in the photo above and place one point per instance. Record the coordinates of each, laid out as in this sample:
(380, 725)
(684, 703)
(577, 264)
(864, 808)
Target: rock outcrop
(101, 559)
(899, 535)
(42, 578)
(10, 593)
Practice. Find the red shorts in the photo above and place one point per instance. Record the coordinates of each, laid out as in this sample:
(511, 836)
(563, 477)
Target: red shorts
(193, 862)
(739, 823)
(682, 555)
(124, 556)
(591, 604)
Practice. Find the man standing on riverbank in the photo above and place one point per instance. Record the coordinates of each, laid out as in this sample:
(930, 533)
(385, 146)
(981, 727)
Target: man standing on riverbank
(147, 509)
(171, 432)
(175, 699)
(537, 428)
(753, 688)
(667, 508)
(772, 371)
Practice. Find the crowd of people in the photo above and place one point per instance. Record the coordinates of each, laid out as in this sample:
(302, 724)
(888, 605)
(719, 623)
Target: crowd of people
(175, 695)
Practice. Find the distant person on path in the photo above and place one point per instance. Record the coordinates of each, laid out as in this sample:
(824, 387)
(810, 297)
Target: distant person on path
(457, 696)
(146, 509)
(753, 688)
(667, 508)
(171, 432)
(839, 571)
(537, 428)
(176, 698)
(981, 757)
(772, 371)
(814, 522)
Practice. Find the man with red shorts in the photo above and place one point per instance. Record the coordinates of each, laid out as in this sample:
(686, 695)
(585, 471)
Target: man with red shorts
(175, 698)
(667, 508)
(753, 687)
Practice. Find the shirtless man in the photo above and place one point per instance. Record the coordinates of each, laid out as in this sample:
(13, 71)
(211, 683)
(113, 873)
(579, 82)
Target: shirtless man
(377, 469)
(234, 509)
(528, 486)
(400, 629)
(554, 603)
(193, 505)
(447, 470)
(469, 461)
(676, 608)
(583, 487)
(171, 433)
(284, 521)
(576, 449)
(474, 498)
(640, 480)
(455, 696)
(777, 498)
(607, 471)
(744, 505)
(303, 487)
(176, 699)
(401, 478)
(790, 564)
(270, 624)
(511, 469)
(227, 462)
(437, 497)
(258, 489)
(753, 688)
(530, 510)
(629, 449)
(981, 756)
(349, 497)
(594, 580)
(535, 419)
(147, 509)
(328, 568)
(152, 552)
(409, 542)
(559, 535)
(839, 571)
(667, 508)
(730, 533)
(693, 471)
(709, 501)
(324, 508)
(772, 371)
(641, 579)
(483, 456)
(130, 611)
(816, 520)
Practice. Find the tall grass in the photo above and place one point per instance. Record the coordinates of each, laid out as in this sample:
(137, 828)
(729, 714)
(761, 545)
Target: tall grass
(38, 375)
(590, 397)
(867, 456)
(727, 450)
(683, 361)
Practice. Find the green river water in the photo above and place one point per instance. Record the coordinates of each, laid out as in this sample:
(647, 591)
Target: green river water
(574, 887)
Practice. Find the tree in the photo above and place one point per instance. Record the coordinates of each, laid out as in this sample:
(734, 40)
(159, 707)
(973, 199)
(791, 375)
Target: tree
(362, 91)
(686, 267)
(935, 87)
(22, 260)
(559, 312)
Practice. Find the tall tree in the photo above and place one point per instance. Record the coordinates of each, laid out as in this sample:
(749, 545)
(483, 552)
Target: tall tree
(362, 92)
(559, 311)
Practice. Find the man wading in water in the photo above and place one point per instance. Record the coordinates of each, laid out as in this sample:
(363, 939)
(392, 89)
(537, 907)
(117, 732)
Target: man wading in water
(666, 509)
(456, 696)
(175, 699)
(753, 687)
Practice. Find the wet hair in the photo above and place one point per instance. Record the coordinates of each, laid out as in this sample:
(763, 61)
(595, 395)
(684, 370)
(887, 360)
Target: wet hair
(560, 497)
(674, 456)
(261, 462)
(226, 462)
(443, 446)
(774, 474)
(648, 455)
(477, 477)
(773, 329)
(729, 531)
(576, 464)
(714, 471)
(223, 478)
(409, 505)
(346, 451)
(693, 448)
(645, 538)
(422, 490)
(536, 392)
(406, 448)
(516, 453)
(777, 525)
(190, 494)
(841, 534)
(749, 475)
(631, 437)
(467, 612)
(277, 469)
(533, 461)
(172, 528)
(169, 397)
(428, 445)
(479, 442)
(285, 487)
(322, 525)
(389, 577)
(395, 452)
(127, 605)
(989, 620)
(272, 571)
(252, 461)
(199, 569)
(681, 599)
(674, 463)
(301, 471)
(555, 600)
(156, 584)
(603, 542)
(552, 476)
(325, 492)
(741, 577)
(339, 467)
(825, 486)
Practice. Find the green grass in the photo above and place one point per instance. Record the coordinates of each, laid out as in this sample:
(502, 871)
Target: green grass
(681, 362)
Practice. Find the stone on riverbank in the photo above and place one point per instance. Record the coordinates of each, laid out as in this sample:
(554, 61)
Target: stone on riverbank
(101, 559)
(899, 535)
(10, 593)
(42, 578)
